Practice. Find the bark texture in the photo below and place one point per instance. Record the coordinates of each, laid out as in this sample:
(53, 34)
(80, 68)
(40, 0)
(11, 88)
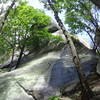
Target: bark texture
(20, 56)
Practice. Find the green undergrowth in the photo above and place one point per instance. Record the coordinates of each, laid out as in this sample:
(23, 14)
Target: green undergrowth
(54, 98)
(3, 70)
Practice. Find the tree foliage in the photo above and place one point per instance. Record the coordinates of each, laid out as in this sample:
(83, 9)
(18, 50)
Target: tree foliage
(25, 28)
(80, 15)
(54, 98)
(25, 23)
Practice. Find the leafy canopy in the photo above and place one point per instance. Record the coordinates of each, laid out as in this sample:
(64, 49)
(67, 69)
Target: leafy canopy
(25, 26)
(80, 15)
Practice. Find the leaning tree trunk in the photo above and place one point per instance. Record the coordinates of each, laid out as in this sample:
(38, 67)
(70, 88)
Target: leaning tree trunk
(85, 87)
(20, 56)
(12, 58)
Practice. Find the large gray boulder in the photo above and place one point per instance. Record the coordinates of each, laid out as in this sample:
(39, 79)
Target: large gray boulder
(46, 74)
(53, 27)
(33, 75)
(98, 67)
(97, 40)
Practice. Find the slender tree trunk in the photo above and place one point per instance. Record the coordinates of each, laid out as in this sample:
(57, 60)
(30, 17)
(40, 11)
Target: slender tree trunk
(12, 55)
(4, 19)
(95, 47)
(10, 65)
(6, 15)
(20, 56)
(84, 85)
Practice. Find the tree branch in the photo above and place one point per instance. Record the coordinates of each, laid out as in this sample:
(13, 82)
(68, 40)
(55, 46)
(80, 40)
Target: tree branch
(93, 21)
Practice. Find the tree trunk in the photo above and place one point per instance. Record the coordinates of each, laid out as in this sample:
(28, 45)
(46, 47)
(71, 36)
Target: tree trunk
(84, 85)
(20, 57)
(10, 65)
(6, 15)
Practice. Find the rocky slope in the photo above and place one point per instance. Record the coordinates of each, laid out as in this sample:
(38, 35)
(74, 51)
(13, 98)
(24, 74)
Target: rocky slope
(46, 74)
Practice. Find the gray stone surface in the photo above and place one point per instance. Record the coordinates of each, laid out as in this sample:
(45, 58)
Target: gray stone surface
(98, 67)
(45, 75)
(34, 75)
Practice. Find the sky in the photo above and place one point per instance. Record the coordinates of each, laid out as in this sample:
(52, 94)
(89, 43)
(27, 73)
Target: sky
(39, 5)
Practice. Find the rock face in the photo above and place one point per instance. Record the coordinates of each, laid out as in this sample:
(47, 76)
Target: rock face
(97, 37)
(53, 27)
(34, 75)
(97, 40)
(45, 74)
(98, 67)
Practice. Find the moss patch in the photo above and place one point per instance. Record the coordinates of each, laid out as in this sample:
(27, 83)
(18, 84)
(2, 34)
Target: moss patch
(3, 70)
